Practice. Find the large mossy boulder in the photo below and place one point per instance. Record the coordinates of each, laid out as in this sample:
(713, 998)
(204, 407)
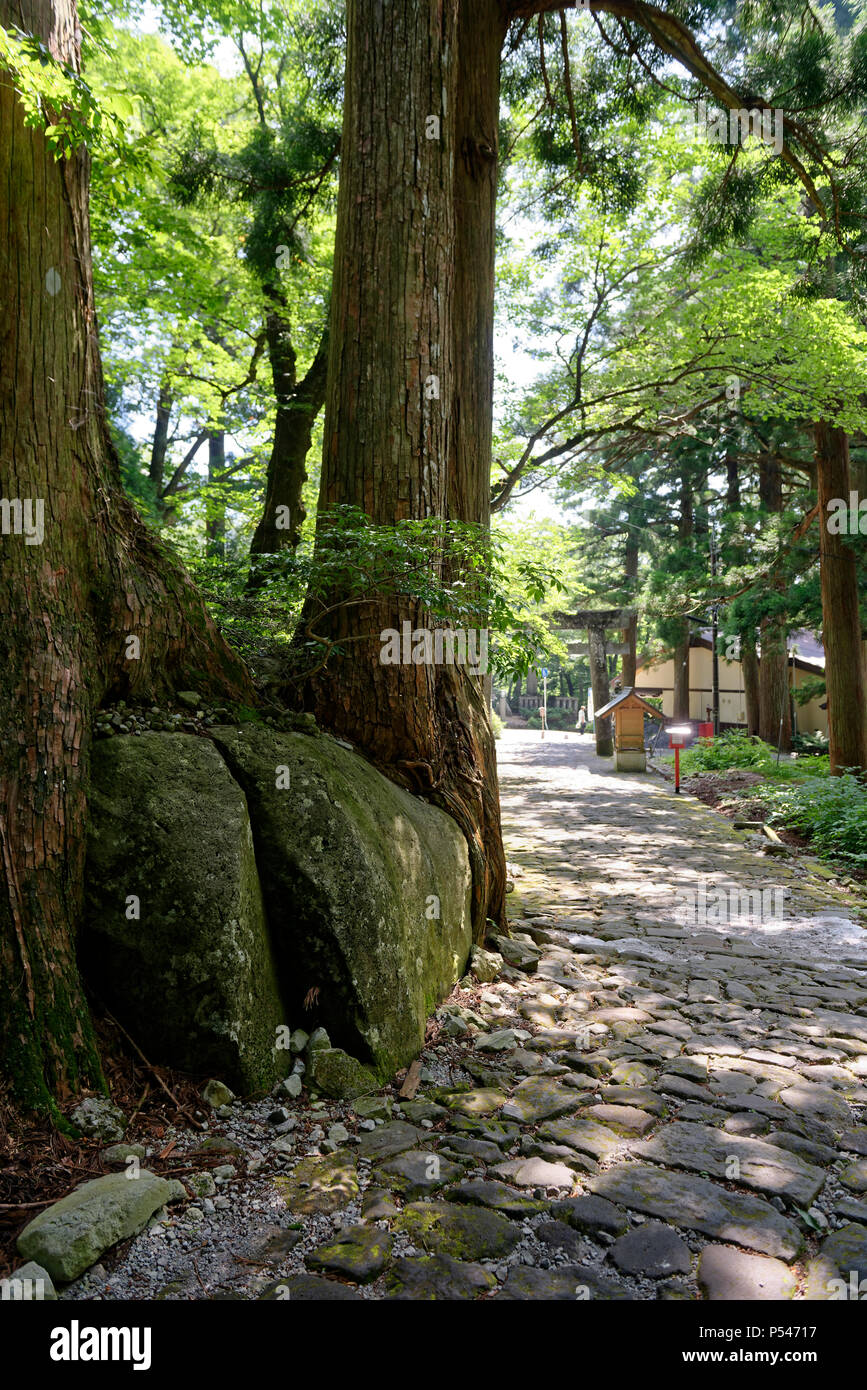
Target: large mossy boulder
(69, 1236)
(174, 937)
(367, 890)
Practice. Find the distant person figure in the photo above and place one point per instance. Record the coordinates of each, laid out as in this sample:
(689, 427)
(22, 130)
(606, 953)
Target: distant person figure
(582, 720)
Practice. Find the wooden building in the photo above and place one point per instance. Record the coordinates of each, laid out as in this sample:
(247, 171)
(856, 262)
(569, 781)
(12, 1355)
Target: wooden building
(654, 676)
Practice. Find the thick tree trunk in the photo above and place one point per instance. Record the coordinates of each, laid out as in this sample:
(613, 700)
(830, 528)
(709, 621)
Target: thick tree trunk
(215, 522)
(603, 728)
(159, 446)
(733, 483)
(630, 632)
(470, 770)
(629, 660)
(750, 669)
(408, 404)
(858, 483)
(680, 697)
(99, 607)
(841, 617)
(482, 29)
(748, 655)
(775, 718)
(298, 404)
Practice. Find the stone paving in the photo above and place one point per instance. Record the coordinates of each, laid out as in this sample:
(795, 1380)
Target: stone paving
(655, 1097)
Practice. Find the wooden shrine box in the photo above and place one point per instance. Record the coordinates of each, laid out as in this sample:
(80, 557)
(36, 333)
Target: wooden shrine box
(629, 710)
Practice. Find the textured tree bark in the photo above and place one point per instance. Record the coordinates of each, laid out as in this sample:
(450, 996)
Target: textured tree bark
(841, 617)
(472, 793)
(298, 404)
(775, 716)
(858, 482)
(750, 668)
(408, 403)
(748, 655)
(733, 482)
(94, 607)
(215, 522)
(603, 728)
(680, 695)
(481, 31)
(630, 632)
(156, 470)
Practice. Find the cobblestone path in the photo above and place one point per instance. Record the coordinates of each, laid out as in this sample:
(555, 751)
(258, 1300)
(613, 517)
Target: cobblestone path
(722, 1034)
(655, 1098)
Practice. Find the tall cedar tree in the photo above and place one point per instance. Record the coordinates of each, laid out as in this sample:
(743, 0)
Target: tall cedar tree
(98, 610)
(408, 411)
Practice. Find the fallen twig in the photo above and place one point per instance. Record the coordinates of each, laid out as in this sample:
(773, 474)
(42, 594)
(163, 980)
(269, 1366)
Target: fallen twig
(169, 1092)
(144, 1095)
(19, 1206)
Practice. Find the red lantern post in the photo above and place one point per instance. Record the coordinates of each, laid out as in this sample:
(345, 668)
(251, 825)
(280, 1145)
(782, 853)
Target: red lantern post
(677, 736)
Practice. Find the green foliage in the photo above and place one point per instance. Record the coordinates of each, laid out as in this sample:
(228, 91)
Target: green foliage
(590, 115)
(497, 724)
(356, 562)
(732, 749)
(813, 744)
(178, 307)
(275, 175)
(454, 575)
(831, 811)
(735, 749)
(641, 268)
(812, 689)
(58, 100)
(134, 478)
(557, 718)
(231, 221)
(258, 625)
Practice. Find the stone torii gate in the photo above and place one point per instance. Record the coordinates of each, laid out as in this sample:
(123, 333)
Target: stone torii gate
(596, 621)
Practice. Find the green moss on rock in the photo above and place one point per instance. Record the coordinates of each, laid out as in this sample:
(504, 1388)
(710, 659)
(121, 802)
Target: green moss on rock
(320, 1183)
(70, 1235)
(191, 976)
(464, 1232)
(367, 890)
(336, 1074)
